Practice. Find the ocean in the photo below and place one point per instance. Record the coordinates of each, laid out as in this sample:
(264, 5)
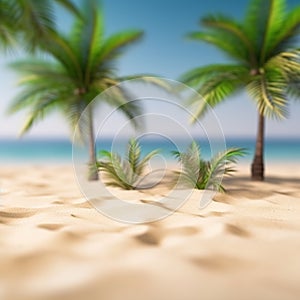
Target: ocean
(52, 151)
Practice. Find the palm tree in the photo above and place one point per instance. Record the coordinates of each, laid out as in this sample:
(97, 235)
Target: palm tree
(81, 66)
(265, 60)
(27, 23)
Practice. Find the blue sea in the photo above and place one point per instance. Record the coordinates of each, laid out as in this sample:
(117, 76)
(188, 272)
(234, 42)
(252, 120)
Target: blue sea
(60, 150)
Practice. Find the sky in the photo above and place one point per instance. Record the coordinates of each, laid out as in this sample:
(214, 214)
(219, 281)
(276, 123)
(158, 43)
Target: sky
(163, 51)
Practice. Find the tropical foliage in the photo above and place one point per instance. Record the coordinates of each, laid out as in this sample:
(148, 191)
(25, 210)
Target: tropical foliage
(125, 173)
(264, 59)
(28, 23)
(201, 174)
(81, 65)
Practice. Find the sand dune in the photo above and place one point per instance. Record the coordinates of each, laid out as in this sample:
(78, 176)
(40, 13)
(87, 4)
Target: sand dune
(55, 245)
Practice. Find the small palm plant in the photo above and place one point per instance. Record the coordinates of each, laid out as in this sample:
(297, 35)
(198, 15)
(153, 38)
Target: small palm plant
(125, 173)
(201, 174)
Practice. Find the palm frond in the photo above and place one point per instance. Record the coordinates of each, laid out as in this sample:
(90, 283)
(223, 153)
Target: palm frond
(288, 36)
(287, 61)
(144, 161)
(269, 92)
(263, 22)
(8, 25)
(221, 165)
(201, 75)
(125, 173)
(274, 20)
(202, 174)
(87, 39)
(217, 39)
(214, 83)
(233, 32)
(62, 50)
(37, 20)
(73, 108)
(190, 161)
(212, 93)
(113, 168)
(28, 23)
(39, 110)
(115, 45)
(42, 69)
(293, 89)
(120, 98)
(134, 153)
(40, 78)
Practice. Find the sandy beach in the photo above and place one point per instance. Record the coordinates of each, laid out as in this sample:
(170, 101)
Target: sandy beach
(55, 245)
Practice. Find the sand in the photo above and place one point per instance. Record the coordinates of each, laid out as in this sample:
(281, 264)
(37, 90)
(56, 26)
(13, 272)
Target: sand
(55, 245)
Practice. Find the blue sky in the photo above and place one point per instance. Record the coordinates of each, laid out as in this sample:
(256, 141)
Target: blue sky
(163, 51)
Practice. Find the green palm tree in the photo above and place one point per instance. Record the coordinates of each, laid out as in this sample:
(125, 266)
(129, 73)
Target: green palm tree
(265, 58)
(81, 66)
(28, 22)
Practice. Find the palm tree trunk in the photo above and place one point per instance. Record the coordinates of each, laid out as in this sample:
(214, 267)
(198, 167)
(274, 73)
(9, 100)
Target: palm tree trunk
(93, 170)
(257, 167)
